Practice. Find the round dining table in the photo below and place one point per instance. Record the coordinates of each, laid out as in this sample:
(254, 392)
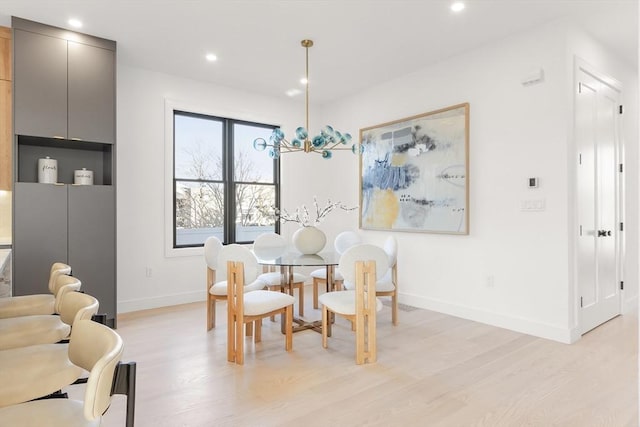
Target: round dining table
(287, 261)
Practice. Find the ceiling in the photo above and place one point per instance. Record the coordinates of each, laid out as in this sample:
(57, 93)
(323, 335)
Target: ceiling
(358, 43)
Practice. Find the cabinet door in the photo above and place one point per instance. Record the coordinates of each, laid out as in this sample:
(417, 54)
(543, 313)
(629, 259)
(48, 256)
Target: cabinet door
(40, 85)
(91, 93)
(40, 235)
(92, 242)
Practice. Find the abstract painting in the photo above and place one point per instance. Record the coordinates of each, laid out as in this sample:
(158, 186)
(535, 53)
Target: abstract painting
(414, 173)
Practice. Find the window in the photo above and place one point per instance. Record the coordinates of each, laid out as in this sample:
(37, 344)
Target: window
(221, 185)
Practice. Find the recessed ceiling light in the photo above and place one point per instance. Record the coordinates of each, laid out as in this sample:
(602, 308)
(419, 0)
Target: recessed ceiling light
(457, 6)
(211, 57)
(293, 92)
(75, 23)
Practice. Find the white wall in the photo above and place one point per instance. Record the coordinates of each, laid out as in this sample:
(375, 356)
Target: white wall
(141, 181)
(516, 132)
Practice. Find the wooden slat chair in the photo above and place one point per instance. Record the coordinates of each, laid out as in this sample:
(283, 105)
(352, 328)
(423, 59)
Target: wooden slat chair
(341, 243)
(247, 308)
(97, 349)
(360, 264)
(216, 269)
(29, 305)
(387, 284)
(272, 245)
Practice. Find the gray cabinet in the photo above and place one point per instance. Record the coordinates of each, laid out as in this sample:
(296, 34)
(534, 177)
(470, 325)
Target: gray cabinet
(40, 85)
(64, 85)
(91, 92)
(92, 242)
(40, 235)
(70, 224)
(65, 108)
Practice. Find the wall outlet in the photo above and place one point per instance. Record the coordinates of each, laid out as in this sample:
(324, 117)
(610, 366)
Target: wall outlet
(490, 282)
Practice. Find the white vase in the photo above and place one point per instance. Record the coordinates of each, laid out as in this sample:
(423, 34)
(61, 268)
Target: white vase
(309, 240)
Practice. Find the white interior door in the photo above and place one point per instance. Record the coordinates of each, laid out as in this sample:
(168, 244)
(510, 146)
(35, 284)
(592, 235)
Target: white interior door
(597, 124)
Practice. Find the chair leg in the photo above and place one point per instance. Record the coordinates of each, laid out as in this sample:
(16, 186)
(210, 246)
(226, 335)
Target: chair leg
(257, 335)
(249, 328)
(211, 312)
(371, 339)
(240, 341)
(360, 338)
(394, 309)
(325, 326)
(301, 300)
(316, 282)
(231, 338)
(288, 345)
(124, 382)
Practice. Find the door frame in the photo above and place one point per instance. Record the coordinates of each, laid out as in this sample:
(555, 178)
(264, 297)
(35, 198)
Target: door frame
(582, 65)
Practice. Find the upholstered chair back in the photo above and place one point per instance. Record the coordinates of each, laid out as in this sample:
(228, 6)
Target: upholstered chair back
(77, 306)
(98, 349)
(235, 252)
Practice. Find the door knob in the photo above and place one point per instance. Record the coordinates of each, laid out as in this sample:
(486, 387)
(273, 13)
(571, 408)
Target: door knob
(608, 232)
(601, 233)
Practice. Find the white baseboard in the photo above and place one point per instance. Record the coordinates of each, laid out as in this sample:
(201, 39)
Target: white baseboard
(517, 324)
(162, 301)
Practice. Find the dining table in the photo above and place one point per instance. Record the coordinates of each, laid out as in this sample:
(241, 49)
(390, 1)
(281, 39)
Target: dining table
(287, 262)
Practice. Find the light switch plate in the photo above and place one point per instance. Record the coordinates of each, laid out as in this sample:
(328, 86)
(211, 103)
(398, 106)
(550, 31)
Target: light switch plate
(533, 205)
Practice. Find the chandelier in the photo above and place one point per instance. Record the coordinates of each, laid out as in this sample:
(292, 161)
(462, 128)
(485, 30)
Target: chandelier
(327, 141)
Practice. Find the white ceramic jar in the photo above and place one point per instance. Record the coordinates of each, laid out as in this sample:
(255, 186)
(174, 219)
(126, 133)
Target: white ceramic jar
(83, 177)
(47, 170)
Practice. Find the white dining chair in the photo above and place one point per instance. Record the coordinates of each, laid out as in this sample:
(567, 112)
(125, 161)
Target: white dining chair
(212, 246)
(387, 284)
(249, 308)
(271, 246)
(341, 243)
(361, 265)
(217, 278)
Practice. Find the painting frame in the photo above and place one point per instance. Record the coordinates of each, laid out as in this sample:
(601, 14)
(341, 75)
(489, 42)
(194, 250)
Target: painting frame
(414, 173)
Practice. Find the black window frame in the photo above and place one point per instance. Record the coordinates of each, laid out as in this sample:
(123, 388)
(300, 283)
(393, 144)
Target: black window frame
(229, 184)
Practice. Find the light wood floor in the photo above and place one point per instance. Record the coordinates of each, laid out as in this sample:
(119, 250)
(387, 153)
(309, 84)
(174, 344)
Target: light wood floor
(432, 370)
